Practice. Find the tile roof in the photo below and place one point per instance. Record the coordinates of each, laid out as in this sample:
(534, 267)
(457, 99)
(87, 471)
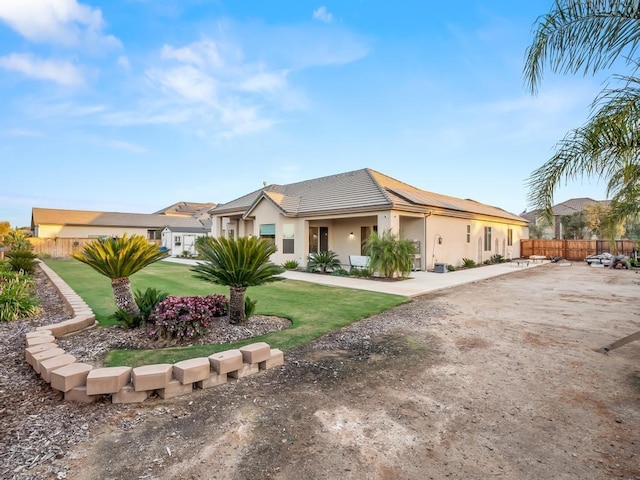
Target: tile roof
(357, 191)
(190, 209)
(572, 205)
(50, 216)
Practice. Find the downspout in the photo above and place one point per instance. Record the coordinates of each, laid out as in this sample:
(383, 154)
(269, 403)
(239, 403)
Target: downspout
(423, 253)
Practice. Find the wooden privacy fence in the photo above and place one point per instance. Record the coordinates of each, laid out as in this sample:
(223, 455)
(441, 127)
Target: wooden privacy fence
(62, 247)
(573, 249)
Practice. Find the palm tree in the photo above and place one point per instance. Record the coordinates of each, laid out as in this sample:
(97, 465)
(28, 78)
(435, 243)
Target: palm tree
(390, 254)
(237, 263)
(119, 258)
(588, 36)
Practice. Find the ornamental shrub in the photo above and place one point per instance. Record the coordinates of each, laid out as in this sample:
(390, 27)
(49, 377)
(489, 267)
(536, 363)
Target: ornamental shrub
(22, 261)
(17, 299)
(185, 318)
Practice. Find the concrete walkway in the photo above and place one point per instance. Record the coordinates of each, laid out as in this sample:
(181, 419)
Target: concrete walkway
(418, 283)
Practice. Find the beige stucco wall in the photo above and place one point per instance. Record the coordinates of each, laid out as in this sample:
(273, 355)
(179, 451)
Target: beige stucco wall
(64, 231)
(453, 232)
(454, 245)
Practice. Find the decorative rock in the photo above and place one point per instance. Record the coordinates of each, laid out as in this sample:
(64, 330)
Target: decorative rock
(47, 367)
(70, 376)
(255, 353)
(107, 380)
(174, 389)
(151, 377)
(192, 370)
(127, 394)
(227, 361)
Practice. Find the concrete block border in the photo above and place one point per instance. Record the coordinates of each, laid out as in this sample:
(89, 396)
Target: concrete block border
(84, 383)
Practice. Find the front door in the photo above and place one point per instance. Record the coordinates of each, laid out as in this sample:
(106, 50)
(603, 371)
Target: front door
(318, 239)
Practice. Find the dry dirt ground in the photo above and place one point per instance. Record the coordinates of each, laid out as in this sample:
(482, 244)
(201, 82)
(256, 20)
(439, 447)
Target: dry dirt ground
(497, 379)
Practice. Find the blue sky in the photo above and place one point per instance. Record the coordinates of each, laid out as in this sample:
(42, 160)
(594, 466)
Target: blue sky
(133, 105)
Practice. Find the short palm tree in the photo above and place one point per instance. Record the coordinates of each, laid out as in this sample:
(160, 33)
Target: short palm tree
(323, 261)
(390, 254)
(237, 263)
(119, 258)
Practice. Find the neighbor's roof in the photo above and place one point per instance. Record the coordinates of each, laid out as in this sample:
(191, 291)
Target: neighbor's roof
(357, 191)
(50, 216)
(574, 205)
(188, 209)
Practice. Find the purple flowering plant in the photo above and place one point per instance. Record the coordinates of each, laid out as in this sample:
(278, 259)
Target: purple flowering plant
(185, 318)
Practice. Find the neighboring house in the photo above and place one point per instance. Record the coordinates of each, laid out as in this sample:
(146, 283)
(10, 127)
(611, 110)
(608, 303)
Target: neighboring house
(182, 240)
(340, 212)
(58, 223)
(554, 229)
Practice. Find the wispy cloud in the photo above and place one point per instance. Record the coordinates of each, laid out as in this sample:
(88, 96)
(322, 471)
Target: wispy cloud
(59, 71)
(121, 145)
(21, 132)
(65, 22)
(322, 14)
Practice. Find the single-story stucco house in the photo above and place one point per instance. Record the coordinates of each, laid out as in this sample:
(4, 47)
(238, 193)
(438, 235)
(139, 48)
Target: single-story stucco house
(79, 224)
(339, 212)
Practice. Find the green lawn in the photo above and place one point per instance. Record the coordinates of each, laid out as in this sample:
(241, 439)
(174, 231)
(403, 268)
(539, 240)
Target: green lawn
(313, 309)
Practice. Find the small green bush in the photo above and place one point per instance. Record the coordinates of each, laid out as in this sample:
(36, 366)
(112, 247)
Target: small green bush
(451, 268)
(148, 300)
(497, 258)
(340, 272)
(17, 300)
(22, 261)
(469, 263)
(360, 272)
(249, 307)
(290, 265)
(323, 261)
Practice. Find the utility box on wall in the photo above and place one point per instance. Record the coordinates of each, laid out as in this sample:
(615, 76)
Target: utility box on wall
(440, 267)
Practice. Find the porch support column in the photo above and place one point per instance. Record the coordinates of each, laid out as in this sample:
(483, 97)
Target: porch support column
(389, 221)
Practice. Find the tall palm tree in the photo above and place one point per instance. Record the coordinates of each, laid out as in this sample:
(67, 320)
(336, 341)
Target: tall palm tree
(238, 264)
(119, 258)
(588, 36)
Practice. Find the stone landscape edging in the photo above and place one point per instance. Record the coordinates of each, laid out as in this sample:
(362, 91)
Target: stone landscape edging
(82, 382)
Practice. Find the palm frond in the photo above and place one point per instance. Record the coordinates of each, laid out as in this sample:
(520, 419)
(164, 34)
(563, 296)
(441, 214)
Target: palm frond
(578, 35)
(120, 257)
(242, 262)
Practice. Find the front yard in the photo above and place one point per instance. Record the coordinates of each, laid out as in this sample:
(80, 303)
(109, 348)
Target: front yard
(313, 309)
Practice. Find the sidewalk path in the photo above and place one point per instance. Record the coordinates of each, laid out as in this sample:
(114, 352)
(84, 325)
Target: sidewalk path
(418, 283)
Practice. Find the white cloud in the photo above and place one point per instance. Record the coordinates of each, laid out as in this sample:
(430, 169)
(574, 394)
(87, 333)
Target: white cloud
(204, 53)
(65, 22)
(323, 14)
(21, 132)
(188, 82)
(126, 146)
(59, 71)
(123, 62)
(264, 82)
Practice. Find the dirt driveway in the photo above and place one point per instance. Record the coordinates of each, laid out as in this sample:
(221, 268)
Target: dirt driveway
(497, 379)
